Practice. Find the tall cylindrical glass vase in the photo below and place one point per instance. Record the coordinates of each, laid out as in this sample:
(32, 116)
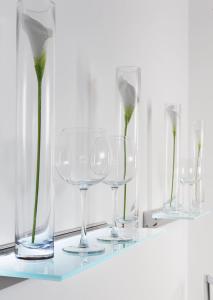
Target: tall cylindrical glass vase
(35, 129)
(197, 143)
(172, 119)
(128, 82)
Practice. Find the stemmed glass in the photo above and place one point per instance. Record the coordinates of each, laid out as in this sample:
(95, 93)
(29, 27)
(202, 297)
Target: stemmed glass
(83, 160)
(123, 167)
(187, 181)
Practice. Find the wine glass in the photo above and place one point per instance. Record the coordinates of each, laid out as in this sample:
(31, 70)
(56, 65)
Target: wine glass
(122, 171)
(83, 160)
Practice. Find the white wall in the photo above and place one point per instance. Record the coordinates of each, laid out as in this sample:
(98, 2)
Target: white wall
(200, 103)
(93, 37)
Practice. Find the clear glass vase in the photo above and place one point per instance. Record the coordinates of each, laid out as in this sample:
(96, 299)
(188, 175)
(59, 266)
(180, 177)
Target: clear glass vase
(197, 144)
(35, 129)
(172, 119)
(128, 82)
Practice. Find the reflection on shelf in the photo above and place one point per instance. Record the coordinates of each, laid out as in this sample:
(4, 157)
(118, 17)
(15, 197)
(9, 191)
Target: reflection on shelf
(65, 265)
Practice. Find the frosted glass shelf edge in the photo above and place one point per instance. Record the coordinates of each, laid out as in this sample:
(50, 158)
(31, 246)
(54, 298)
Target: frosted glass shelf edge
(65, 265)
(179, 216)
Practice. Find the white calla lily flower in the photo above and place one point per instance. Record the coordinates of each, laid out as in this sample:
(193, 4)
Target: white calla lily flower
(173, 115)
(199, 135)
(37, 34)
(128, 93)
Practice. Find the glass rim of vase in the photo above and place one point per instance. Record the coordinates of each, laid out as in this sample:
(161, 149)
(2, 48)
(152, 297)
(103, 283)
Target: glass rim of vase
(21, 4)
(100, 131)
(123, 137)
(129, 68)
(198, 122)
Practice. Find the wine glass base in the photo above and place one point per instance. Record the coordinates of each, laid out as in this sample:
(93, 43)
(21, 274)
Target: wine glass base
(119, 239)
(91, 250)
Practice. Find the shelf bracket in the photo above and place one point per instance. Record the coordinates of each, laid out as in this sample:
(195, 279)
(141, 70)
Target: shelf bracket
(6, 282)
(150, 222)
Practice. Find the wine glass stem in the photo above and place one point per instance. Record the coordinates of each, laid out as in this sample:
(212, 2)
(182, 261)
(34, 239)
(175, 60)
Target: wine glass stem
(114, 230)
(83, 240)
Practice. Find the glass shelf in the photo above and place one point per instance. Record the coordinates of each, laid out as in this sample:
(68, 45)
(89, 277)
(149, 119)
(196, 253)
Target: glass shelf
(65, 265)
(178, 215)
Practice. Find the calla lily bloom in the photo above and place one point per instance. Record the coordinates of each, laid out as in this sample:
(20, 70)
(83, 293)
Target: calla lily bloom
(37, 34)
(173, 116)
(128, 95)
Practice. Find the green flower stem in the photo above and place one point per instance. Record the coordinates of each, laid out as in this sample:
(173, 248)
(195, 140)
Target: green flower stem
(38, 162)
(39, 69)
(173, 166)
(196, 174)
(125, 186)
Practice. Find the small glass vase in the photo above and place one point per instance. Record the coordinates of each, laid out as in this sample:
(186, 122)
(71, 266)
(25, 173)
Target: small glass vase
(197, 143)
(128, 83)
(172, 119)
(34, 228)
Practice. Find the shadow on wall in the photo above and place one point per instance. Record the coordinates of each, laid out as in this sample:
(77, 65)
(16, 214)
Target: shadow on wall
(86, 88)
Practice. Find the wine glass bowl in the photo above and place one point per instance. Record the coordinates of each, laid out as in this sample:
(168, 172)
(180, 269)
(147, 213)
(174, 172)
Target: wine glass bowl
(83, 158)
(187, 172)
